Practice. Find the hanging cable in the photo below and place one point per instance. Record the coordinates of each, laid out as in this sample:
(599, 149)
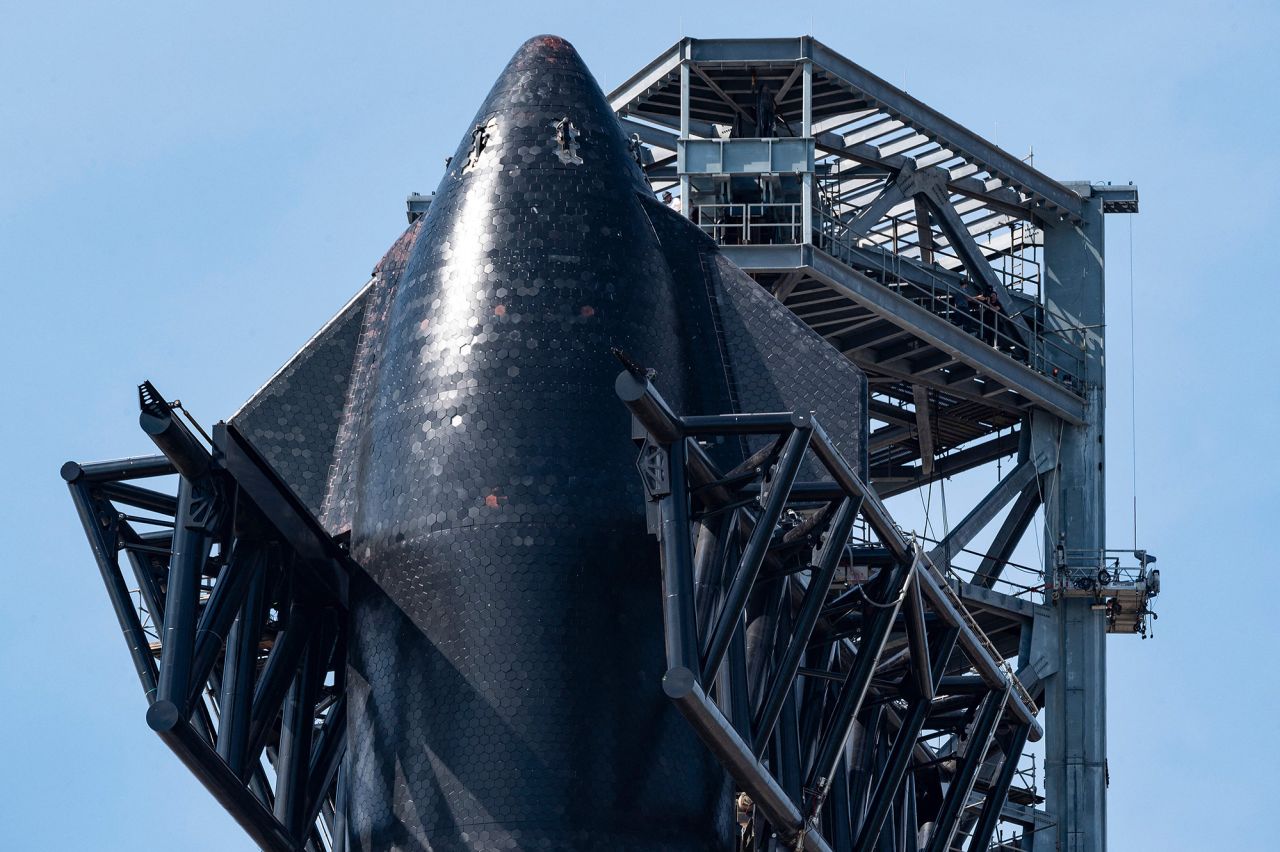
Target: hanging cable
(1133, 389)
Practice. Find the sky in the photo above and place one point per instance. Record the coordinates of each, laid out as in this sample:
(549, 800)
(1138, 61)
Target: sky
(188, 191)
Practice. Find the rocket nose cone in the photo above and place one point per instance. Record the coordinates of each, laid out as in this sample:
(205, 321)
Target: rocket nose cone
(545, 103)
(547, 48)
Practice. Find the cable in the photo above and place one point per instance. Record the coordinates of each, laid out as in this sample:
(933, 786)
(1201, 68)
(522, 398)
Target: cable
(1133, 389)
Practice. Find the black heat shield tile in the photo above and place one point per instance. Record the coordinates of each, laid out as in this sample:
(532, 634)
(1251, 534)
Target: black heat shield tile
(293, 419)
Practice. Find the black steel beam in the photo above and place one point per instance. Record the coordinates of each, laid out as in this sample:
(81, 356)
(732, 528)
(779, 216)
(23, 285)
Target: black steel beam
(97, 521)
(758, 544)
(277, 675)
(139, 467)
(985, 663)
(321, 558)
(245, 561)
(173, 438)
(780, 685)
(297, 727)
(872, 508)
(679, 607)
(239, 675)
(229, 790)
(918, 641)
(957, 798)
(854, 689)
(326, 757)
(1012, 745)
(890, 779)
(140, 498)
(182, 601)
(681, 686)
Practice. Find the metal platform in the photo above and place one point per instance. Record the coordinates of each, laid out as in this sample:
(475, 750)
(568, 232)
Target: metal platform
(884, 225)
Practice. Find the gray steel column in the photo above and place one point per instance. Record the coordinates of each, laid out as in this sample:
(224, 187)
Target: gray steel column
(1075, 512)
(685, 208)
(806, 130)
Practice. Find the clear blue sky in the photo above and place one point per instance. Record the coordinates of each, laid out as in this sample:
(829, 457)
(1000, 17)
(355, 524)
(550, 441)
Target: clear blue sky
(187, 193)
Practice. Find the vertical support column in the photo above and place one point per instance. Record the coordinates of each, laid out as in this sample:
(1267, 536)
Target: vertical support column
(685, 206)
(1075, 519)
(806, 130)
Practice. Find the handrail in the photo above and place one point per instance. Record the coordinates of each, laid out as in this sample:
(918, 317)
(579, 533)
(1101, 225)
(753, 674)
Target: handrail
(943, 299)
(750, 222)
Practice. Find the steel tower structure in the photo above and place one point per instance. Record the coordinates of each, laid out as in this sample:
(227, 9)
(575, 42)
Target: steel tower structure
(404, 597)
(880, 222)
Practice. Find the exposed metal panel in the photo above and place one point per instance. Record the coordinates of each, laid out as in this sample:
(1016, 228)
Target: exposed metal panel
(745, 156)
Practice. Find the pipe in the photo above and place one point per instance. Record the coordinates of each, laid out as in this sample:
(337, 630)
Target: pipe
(226, 787)
(138, 467)
(682, 687)
(678, 602)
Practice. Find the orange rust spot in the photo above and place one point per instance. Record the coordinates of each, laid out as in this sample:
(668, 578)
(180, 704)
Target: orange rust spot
(491, 501)
(587, 311)
(500, 311)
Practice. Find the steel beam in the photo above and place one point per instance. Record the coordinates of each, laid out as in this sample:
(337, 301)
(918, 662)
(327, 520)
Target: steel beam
(924, 428)
(1014, 483)
(957, 798)
(1010, 533)
(228, 789)
(890, 777)
(681, 686)
(652, 76)
(239, 675)
(988, 666)
(940, 333)
(757, 544)
(679, 608)
(854, 689)
(950, 133)
(780, 684)
(245, 561)
(178, 636)
(1075, 519)
(96, 525)
(1012, 746)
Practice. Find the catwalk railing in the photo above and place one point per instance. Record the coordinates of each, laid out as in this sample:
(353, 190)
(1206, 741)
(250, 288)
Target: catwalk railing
(236, 622)
(813, 698)
(937, 285)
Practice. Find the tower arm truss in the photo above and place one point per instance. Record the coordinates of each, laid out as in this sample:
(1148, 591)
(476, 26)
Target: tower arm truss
(829, 655)
(236, 624)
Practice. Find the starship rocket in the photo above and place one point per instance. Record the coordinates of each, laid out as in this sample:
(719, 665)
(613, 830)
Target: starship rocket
(456, 424)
